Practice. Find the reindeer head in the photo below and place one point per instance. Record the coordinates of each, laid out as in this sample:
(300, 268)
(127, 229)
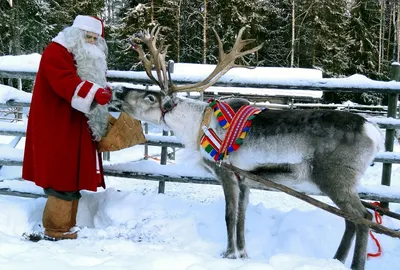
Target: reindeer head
(142, 104)
(155, 57)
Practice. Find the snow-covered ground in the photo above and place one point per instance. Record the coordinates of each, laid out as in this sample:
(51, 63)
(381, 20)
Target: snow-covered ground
(130, 226)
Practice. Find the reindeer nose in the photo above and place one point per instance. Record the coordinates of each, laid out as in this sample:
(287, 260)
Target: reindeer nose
(115, 105)
(120, 95)
(167, 103)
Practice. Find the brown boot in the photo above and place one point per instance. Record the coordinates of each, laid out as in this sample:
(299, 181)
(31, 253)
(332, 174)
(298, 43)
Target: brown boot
(74, 212)
(57, 217)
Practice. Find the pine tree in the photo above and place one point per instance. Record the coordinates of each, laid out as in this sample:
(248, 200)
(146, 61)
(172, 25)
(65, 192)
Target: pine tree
(364, 29)
(364, 26)
(322, 39)
(332, 42)
(134, 16)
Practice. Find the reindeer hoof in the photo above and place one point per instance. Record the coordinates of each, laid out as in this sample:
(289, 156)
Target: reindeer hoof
(229, 255)
(243, 254)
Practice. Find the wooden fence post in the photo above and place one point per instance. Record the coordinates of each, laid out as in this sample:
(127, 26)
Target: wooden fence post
(20, 113)
(146, 147)
(164, 155)
(389, 138)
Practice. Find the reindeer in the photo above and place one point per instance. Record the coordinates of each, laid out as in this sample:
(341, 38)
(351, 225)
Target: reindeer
(330, 149)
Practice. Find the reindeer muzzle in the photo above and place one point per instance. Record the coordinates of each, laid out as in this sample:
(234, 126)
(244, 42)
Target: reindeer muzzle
(167, 104)
(119, 94)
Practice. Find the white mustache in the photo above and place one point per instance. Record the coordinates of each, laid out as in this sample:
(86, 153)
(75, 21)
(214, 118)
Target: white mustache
(93, 51)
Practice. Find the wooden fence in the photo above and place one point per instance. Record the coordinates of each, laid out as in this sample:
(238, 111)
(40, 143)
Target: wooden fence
(392, 89)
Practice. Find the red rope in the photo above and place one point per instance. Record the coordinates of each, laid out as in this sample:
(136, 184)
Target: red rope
(378, 220)
(157, 159)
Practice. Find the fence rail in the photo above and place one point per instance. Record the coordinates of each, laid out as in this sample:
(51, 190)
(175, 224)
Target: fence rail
(357, 85)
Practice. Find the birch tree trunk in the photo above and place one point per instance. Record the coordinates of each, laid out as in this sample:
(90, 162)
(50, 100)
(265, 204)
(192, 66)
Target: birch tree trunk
(381, 24)
(178, 30)
(397, 31)
(205, 33)
(110, 15)
(293, 35)
(15, 43)
(395, 42)
(389, 31)
(16, 33)
(152, 13)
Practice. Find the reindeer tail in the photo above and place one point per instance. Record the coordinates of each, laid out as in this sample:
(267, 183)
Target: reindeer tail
(375, 134)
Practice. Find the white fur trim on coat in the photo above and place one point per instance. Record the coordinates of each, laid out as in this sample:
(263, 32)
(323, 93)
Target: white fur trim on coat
(83, 103)
(60, 39)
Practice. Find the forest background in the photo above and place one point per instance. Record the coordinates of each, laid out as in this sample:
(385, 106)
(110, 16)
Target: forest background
(339, 37)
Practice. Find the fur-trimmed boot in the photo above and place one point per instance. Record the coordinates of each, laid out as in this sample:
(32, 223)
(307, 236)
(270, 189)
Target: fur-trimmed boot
(57, 219)
(74, 212)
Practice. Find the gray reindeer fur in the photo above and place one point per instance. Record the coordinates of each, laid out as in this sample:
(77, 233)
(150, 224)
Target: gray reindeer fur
(330, 149)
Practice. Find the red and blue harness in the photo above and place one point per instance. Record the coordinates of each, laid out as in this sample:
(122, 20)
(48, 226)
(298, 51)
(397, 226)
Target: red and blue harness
(237, 125)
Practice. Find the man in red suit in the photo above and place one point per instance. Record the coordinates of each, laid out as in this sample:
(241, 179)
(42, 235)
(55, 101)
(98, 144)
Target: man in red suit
(68, 116)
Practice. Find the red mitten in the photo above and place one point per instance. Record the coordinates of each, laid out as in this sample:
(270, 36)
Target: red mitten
(103, 96)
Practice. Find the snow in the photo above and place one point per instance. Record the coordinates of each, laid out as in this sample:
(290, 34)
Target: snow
(268, 77)
(130, 226)
(10, 93)
(28, 63)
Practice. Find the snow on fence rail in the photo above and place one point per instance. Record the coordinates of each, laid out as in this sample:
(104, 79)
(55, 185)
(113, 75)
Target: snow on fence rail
(355, 83)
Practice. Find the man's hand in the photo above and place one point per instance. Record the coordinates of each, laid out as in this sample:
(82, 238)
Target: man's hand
(103, 96)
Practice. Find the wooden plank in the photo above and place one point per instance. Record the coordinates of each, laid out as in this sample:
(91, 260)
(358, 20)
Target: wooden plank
(14, 157)
(9, 192)
(387, 157)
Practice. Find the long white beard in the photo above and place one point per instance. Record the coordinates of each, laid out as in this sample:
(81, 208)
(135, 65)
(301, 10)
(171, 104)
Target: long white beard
(92, 66)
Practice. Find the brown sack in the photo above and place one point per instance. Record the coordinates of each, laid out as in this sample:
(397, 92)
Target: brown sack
(122, 133)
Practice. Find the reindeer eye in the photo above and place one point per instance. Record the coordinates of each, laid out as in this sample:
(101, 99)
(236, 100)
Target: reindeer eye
(151, 98)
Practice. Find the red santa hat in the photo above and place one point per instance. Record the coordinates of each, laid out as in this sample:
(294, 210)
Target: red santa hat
(90, 24)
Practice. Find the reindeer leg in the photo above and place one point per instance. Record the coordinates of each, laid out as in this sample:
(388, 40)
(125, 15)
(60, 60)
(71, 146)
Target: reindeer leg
(351, 204)
(243, 202)
(360, 250)
(354, 207)
(230, 186)
(231, 192)
(343, 194)
(347, 238)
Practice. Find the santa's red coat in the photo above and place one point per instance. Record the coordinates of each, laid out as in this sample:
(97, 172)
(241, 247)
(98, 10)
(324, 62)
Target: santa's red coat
(59, 151)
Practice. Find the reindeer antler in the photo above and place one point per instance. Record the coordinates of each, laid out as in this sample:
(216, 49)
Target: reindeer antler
(156, 57)
(226, 61)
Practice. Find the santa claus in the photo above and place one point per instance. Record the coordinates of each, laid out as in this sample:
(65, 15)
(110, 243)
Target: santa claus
(67, 118)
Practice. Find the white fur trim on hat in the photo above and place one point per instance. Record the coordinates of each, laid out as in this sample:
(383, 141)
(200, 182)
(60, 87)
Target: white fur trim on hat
(88, 23)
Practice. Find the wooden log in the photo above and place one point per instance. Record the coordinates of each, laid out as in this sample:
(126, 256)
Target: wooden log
(17, 74)
(362, 221)
(9, 192)
(161, 177)
(387, 157)
(380, 210)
